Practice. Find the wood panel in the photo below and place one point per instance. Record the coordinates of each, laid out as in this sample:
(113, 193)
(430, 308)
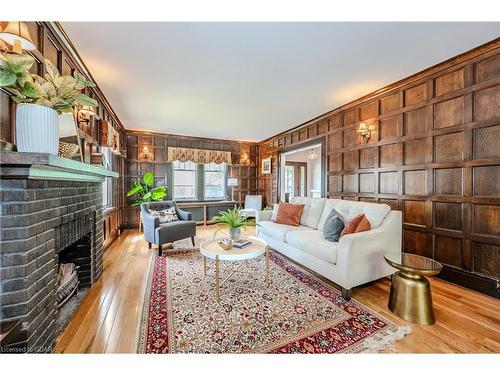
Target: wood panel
(244, 162)
(434, 154)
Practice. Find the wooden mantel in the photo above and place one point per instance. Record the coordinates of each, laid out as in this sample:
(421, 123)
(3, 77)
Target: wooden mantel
(41, 166)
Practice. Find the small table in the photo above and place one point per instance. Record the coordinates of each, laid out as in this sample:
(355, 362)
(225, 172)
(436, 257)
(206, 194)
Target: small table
(410, 296)
(212, 250)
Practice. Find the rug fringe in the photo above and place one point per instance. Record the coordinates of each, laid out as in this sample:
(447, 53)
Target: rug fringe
(384, 340)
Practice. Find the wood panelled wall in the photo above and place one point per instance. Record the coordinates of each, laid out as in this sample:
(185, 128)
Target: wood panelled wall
(434, 154)
(54, 45)
(244, 161)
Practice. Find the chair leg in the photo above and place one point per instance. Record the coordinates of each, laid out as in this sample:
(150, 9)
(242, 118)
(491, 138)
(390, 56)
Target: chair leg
(346, 294)
(159, 250)
(149, 245)
(192, 240)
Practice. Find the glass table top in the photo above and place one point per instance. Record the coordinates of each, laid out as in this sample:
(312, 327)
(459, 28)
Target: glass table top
(412, 262)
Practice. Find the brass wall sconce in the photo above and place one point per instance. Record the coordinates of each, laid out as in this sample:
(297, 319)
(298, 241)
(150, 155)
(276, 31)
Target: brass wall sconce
(365, 132)
(145, 152)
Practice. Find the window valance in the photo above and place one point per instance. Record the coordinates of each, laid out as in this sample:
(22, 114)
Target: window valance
(198, 156)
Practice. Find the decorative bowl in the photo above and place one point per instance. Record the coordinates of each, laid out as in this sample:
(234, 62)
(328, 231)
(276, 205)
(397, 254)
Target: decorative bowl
(226, 244)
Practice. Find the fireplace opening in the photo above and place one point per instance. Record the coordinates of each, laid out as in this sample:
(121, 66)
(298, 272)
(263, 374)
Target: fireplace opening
(73, 278)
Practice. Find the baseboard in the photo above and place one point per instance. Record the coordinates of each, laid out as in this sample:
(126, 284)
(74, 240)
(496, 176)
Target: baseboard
(471, 281)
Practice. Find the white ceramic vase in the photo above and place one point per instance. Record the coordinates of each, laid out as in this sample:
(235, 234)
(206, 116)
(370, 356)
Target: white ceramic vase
(37, 129)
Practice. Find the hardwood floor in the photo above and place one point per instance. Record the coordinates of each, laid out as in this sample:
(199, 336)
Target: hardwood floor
(107, 319)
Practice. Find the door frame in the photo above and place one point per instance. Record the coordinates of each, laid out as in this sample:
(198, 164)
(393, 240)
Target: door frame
(317, 141)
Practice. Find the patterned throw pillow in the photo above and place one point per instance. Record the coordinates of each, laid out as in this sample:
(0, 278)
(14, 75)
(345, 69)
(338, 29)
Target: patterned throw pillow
(333, 226)
(167, 215)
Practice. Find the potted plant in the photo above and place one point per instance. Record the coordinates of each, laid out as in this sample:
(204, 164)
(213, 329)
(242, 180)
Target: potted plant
(145, 190)
(234, 219)
(40, 100)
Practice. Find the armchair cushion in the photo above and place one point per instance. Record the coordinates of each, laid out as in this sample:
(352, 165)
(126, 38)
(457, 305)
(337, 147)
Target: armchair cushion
(167, 215)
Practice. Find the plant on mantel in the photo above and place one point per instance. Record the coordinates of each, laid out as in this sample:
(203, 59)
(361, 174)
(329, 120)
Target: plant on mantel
(40, 100)
(59, 92)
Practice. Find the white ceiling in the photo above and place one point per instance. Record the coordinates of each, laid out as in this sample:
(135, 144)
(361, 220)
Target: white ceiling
(249, 81)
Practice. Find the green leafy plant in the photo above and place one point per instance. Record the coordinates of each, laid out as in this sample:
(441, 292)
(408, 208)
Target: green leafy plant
(145, 191)
(59, 92)
(233, 218)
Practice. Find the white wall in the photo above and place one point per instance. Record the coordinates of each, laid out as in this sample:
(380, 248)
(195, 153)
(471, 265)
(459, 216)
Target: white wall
(313, 167)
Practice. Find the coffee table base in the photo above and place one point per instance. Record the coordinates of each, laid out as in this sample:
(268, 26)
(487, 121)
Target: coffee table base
(411, 299)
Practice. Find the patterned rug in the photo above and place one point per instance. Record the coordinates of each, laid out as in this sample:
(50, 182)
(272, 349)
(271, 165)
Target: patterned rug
(297, 313)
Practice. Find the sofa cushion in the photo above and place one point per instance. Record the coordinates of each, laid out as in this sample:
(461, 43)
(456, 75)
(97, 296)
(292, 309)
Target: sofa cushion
(374, 212)
(312, 242)
(289, 214)
(333, 227)
(277, 231)
(313, 207)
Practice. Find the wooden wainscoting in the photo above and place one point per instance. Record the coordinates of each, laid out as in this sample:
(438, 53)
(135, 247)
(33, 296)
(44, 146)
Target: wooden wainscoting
(434, 153)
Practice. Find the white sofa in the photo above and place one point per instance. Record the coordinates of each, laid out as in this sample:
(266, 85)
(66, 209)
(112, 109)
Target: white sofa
(356, 259)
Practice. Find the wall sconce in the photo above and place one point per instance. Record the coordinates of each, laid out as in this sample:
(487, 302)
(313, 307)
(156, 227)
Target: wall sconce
(145, 152)
(244, 160)
(17, 35)
(365, 132)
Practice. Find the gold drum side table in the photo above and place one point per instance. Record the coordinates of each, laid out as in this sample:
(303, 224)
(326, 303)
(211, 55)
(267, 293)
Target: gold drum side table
(410, 296)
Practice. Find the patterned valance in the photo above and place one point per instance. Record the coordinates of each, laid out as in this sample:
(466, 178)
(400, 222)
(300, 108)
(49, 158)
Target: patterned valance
(198, 156)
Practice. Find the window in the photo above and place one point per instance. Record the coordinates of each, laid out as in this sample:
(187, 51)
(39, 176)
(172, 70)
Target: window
(215, 181)
(184, 180)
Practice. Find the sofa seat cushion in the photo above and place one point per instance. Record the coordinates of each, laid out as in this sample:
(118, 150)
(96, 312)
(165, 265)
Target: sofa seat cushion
(278, 231)
(312, 242)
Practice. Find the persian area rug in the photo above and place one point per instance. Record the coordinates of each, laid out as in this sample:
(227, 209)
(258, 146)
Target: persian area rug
(296, 313)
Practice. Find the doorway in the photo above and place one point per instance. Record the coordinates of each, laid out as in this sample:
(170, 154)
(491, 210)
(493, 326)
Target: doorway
(302, 171)
(296, 178)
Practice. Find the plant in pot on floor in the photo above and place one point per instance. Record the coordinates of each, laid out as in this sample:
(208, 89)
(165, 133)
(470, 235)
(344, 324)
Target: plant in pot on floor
(235, 220)
(145, 190)
(40, 100)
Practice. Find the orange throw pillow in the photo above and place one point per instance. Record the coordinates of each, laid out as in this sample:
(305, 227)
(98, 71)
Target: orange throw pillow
(358, 223)
(363, 225)
(289, 214)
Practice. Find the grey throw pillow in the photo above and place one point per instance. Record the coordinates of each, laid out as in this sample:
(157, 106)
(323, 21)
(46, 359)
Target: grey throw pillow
(167, 215)
(333, 226)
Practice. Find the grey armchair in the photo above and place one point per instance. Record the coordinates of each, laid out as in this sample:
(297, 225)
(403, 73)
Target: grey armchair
(160, 234)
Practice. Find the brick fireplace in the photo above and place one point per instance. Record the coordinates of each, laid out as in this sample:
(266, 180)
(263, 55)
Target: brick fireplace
(40, 218)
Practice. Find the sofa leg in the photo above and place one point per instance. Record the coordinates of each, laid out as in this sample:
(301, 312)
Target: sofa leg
(159, 250)
(149, 245)
(346, 294)
(192, 240)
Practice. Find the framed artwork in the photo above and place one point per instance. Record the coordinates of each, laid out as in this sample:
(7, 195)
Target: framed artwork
(266, 166)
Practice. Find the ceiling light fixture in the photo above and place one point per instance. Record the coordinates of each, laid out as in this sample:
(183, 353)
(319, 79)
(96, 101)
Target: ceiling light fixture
(312, 155)
(17, 35)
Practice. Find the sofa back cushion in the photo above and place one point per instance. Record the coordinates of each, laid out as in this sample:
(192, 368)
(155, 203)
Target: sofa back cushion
(313, 208)
(374, 212)
(289, 214)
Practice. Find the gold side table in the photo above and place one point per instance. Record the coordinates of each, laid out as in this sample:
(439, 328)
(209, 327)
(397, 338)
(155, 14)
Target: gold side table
(410, 296)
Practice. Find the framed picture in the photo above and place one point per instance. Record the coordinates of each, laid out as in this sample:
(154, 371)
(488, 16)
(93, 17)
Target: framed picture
(266, 166)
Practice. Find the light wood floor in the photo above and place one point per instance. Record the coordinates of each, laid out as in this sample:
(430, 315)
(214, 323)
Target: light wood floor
(106, 321)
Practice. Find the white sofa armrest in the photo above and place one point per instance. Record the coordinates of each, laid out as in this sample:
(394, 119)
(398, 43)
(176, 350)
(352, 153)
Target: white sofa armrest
(360, 256)
(263, 215)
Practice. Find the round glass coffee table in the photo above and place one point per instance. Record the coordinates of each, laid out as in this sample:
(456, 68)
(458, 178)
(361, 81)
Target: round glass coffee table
(410, 296)
(212, 250)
